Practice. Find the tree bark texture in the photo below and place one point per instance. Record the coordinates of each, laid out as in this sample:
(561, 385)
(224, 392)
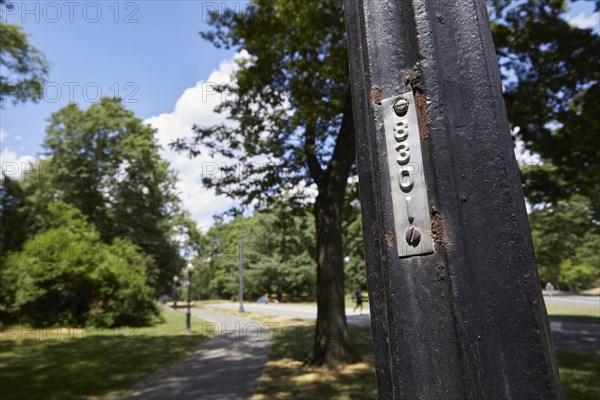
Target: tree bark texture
(332, 344)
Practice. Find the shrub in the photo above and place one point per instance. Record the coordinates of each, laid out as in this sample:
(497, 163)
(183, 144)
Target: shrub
(67, 275)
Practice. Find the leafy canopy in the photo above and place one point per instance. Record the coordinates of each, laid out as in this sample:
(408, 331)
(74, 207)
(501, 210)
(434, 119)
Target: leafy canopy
(551, 72)
(67, 275)
(23, 68)
(106, 163)
(287, 100)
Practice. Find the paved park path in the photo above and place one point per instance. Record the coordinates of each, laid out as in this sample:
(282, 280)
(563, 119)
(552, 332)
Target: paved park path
(227, 367)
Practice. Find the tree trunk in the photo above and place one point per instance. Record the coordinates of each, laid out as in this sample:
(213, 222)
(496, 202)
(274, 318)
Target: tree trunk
(332, 343)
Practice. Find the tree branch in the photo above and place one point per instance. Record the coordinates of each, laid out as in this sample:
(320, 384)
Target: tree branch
(310, 152)
(344, 154)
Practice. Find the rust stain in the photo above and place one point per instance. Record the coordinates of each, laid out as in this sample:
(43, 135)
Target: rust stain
(421, 103)
(437, 228)
(389, 239)
(376, 96)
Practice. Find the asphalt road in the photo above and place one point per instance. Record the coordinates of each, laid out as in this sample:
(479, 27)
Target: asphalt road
(569, 299)
(566, 334)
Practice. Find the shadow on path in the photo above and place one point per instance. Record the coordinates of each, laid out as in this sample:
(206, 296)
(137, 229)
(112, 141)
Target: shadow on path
(227, 367)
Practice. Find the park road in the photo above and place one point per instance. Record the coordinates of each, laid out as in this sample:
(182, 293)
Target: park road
(566, 334)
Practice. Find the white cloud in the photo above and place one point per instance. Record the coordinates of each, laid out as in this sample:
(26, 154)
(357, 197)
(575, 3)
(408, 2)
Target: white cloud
(3, 135)
(523, 155)
(196, 106)
(585, 21)
(13, 166)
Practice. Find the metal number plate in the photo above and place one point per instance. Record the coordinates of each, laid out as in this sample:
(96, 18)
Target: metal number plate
(407, 179)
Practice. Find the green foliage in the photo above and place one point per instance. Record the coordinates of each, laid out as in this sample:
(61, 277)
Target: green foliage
(578, 277)
(551, 73)
(23, 68)
(277, 258)
(354, 265)
(106, 163)
(14, 218)
(67, 275)
(287, 99)
(566, 257)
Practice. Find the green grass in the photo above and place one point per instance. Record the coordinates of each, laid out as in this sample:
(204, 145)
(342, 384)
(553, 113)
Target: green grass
(580, 374)
(73, 364)
(559, 312)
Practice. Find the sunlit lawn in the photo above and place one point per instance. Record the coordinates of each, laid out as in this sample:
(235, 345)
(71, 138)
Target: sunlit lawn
(574, 313)
(69, 364)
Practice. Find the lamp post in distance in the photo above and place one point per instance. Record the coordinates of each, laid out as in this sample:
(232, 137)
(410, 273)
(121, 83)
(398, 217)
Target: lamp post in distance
(175, 280)
(190, 270)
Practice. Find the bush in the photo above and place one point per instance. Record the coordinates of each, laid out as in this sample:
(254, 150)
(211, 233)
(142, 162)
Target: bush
(577, 277)
(67, 275)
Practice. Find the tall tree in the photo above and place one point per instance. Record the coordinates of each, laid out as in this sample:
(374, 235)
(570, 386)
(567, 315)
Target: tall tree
(13, 216)
(106, 162)
(566, 243)
(292, 109)
(23, 69)
(551, 71)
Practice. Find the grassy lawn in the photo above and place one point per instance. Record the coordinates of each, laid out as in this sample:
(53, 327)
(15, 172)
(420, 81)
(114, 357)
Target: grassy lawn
(76, 364)
(580, 374)
(559, 312)
(285, 378)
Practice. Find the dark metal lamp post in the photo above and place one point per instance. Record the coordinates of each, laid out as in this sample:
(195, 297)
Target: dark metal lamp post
(190, 270)
(175, 280)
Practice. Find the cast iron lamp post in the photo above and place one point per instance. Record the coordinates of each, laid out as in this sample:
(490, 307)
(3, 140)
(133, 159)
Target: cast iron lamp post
(175, 280)
(190, 270)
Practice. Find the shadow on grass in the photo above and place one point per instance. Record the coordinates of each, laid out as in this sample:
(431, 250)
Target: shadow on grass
(285, 377)
(588, 319)
(97, 366)
(580, 374)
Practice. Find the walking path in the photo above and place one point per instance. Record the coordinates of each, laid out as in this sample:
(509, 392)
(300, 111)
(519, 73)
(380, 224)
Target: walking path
(227, 367)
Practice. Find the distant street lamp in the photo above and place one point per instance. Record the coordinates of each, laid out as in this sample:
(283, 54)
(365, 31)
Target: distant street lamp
(190, 270)
(175, 280)
(241, 276)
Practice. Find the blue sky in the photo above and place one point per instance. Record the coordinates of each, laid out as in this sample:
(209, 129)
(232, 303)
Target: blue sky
(151, 53)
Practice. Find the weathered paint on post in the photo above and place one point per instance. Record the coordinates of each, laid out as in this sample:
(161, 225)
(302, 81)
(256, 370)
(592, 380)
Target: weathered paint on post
(467, 321)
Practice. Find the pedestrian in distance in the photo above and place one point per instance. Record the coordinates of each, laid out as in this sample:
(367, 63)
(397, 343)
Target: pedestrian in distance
(359, 300)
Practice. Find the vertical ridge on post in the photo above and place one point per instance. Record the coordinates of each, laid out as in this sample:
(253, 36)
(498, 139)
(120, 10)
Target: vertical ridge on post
(468, 321)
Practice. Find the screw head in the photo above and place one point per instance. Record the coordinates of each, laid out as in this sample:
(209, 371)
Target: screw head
(401, 107)
(412, 235)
